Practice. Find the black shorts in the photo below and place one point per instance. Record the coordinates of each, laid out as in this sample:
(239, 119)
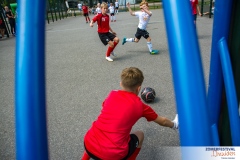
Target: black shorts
(133, 143)
(116, 7)
(2, 26)
(106, 37)
(85, 14)
(141, 33)
(195, 17)
(111, 14)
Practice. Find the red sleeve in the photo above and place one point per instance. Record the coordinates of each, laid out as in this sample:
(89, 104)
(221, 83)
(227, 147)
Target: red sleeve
(149, 113)
(95, 18)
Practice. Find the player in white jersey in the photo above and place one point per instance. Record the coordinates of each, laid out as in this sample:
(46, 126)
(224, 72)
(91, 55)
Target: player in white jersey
(116, 6)
(98, 9)
(111, 11)
(144, 17)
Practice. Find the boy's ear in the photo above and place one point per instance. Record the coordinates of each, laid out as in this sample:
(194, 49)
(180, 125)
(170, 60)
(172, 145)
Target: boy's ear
(120, 83)
(139, 88)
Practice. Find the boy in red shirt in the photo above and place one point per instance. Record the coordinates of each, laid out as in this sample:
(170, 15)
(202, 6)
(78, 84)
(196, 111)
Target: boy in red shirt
(85, 12)
(105, 36)
(109, 137)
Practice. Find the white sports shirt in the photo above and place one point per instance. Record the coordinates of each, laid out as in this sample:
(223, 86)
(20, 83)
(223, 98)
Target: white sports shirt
(111, 9)
(116, 4)
(143, 19)
(79, 6)
(98, 10)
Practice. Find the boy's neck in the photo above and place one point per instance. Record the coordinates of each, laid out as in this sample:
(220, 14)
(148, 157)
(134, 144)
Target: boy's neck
(126, 90)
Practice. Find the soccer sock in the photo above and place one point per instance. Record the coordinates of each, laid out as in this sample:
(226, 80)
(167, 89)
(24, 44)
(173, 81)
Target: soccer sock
(149, 44)
(129, 39)
(109, 50)
(135, 154)
(115, 44)
(114, 18)
(85, 156)
(88, 19)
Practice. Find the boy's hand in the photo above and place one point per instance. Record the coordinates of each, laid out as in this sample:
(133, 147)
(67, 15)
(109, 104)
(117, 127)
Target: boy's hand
(175, 122)
(91, 24)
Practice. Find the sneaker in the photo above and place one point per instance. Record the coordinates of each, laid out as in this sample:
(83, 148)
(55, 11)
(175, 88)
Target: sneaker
(113, 54)
(124, 41)
(114, 20)
(111, 20)
(109, 59)
(87, 22)
(154, 52)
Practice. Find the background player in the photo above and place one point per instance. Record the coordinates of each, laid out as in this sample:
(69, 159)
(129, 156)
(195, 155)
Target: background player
(111, 11)
(86, 12)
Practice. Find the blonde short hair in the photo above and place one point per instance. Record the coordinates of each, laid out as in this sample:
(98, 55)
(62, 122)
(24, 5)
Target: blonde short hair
(104, 5)
(144, 2)
(131, 78)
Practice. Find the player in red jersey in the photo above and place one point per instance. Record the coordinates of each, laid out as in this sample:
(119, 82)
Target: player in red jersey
(111, 136)
(105, 36)
(195, 10)
(85, 12)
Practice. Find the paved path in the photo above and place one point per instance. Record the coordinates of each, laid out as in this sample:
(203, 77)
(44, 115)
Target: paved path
(79, 78)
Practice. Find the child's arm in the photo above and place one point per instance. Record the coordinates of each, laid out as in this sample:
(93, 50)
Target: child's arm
(166, 122)
(200, 14)
(143, 8)
(91, 23)
(130, 10)
(112, 30)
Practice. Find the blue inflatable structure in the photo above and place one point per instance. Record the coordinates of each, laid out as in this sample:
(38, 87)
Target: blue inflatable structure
(198, 110)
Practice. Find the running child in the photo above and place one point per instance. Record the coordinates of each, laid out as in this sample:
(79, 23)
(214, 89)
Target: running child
(111, 136)
(86, 12)
(144, 17)
(105, 36)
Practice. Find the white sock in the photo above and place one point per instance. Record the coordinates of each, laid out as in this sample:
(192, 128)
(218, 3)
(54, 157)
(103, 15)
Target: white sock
(129, 39)
(114, 18)
(149, 44)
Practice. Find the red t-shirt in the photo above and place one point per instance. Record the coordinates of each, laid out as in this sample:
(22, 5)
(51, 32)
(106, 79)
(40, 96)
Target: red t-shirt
(85, 9)
(109, 135)
(103, 22)
(194, 4)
